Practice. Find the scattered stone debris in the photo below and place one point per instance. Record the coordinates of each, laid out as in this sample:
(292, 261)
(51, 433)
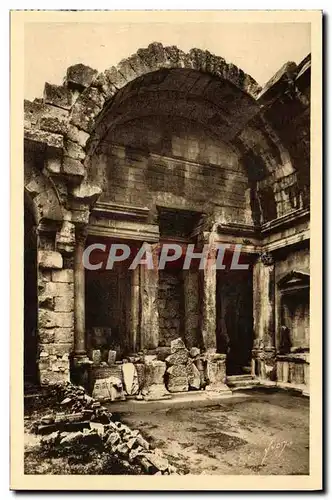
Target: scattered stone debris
(158, 373)
(84, 422)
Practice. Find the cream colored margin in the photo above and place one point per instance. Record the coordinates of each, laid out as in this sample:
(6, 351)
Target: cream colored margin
(18, 479)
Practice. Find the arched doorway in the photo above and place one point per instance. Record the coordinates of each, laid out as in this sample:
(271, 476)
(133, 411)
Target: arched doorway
(30, 297)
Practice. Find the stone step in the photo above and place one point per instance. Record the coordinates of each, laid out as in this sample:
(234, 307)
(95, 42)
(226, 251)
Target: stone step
(236, 378)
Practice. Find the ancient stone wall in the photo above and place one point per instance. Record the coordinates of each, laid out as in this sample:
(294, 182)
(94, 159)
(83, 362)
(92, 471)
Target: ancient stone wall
(191, 171)
(170, 306)
(55, 316)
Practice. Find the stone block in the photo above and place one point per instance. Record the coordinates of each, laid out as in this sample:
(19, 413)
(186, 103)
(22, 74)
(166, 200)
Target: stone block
(46, 335)
(56, 352)
(140, 369)
(32, 112)
(53, 164)
(215, 375)
(74, 150)
(78, 136)
(63, 276)
(53, 124)
(63, 304)
(279, 371)
(306, 373)
(96, 356)
(285, 372)
(50, 289)
(63, 335)
(49, 259)
(45, 138)
(177, 384)
(79, 76)
(130, 378)
(154, 387)
(51, 319)
(194, 378)
(58, 96)
(180, 357)
(73, 167)
(111, 357)
(298, 373)
(87, 107)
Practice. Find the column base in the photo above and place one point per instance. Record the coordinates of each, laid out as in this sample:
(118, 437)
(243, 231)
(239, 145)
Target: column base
(157, 392)
(80, 360)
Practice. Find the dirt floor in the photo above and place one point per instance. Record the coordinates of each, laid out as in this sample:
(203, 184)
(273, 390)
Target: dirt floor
(266, 433)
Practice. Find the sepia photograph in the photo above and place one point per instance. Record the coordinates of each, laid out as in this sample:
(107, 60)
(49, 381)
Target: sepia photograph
(165, 189)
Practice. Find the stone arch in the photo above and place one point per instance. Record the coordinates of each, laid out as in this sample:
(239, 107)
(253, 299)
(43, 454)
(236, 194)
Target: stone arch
(67, 116)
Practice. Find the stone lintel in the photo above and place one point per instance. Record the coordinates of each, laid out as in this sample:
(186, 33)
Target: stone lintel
(127, 230)
(111, 210)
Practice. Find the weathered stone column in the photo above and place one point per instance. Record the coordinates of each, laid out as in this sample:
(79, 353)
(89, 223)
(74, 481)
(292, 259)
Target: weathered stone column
(134, 310)
(191, 307)
(264, 316)
(149, 324)
(208, 298)
(79, 295)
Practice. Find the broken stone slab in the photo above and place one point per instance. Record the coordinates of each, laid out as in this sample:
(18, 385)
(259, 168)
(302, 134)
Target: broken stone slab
(180, 357)
(158, 461)
(154, 386)
(200, 365)
(177, 344)
(140, 370)
(135, 452)
(99, 428)
(86, 192)
(130, 378)
(96, 356)
(194, 377)
(113, 439)
(71, 438)
(111, 357)
(216, 376)
(142, 442)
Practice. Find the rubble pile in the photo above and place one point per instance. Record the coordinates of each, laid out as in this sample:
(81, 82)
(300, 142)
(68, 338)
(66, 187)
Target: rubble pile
(83, 421)
(156, 374)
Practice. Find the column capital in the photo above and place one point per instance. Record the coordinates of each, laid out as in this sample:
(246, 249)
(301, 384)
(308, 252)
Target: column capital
(266, 258)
